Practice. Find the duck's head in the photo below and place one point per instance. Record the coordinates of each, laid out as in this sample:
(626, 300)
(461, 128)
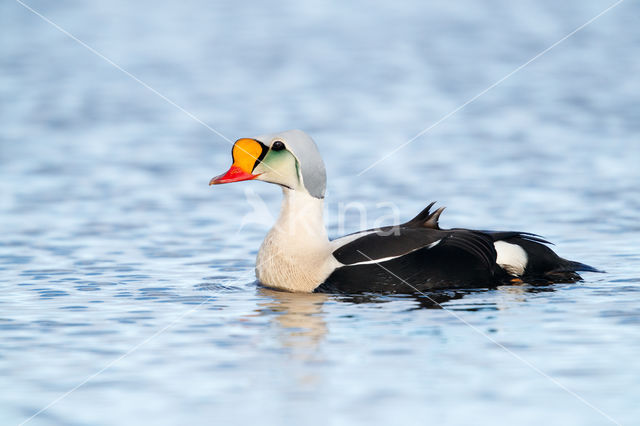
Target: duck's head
(290, 159)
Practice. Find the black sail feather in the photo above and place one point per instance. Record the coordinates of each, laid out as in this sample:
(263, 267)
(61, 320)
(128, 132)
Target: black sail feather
(426, 219)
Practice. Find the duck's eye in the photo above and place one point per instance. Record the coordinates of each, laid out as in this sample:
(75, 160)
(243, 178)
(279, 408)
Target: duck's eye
(277, 146)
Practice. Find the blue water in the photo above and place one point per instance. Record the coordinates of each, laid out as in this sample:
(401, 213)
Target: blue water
(125, 277)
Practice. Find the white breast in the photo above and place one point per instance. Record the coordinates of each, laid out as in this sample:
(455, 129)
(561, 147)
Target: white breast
(296, 255)
(293, 265)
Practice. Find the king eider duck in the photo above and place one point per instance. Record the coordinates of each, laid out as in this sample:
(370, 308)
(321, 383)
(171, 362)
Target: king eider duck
(416, 256)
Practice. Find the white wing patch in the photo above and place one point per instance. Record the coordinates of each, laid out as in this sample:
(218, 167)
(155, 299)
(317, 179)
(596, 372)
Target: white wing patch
(384, 259)
(511, 257)
(339, 242)
(433, 244)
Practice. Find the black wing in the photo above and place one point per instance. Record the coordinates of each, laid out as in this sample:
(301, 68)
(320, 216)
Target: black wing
(423, 231)
(460, 259)
(384, 243)
(410, 259)
(420, 256)
(383, 246)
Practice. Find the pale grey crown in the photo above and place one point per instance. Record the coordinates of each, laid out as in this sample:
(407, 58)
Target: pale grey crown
(305, 150)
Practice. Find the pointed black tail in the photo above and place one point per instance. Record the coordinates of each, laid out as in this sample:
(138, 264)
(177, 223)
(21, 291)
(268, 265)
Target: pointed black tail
(577, 266)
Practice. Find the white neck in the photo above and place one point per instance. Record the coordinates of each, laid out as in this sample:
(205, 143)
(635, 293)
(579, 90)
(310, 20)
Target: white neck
(301, 215)
(295, 255)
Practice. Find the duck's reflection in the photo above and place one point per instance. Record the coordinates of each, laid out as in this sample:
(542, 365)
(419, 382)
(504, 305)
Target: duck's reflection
(431, 300)
(299, 317)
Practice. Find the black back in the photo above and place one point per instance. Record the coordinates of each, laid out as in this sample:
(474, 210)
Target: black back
(418, 255)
